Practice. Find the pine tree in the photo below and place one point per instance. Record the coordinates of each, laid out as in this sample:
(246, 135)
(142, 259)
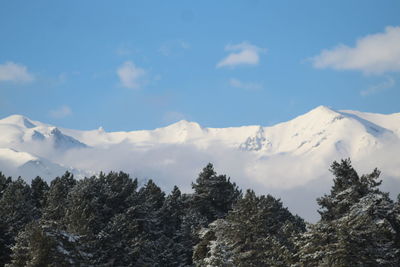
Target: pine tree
(4, 237)
(171, 212)
(121, 190)
(214, 195)
(257, 232)
(55, 209)
(186, 235)
(175, 244)
(42, 245)
(212, 249)
(86, 212)
(117, 242)
(4, 182)
(39, 191)
(16, 210)
(92, 204)
(4, 243)
(347, 189)
(358, 225)
(133, 237)
(94, 201)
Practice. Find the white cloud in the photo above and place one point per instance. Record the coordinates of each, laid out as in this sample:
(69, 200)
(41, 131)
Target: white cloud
(130, 75)
(372, 54)
(251, 86)
(13, 72)
(242, 54)
(61, 112)
(388, 83)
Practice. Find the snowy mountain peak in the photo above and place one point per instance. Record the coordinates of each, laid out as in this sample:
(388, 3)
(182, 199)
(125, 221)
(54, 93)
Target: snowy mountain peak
(322, 113)
(323, 108)
(320, 135)
(255, 142)
(311, 123)
(18, 120)
(291, 155)
(179, 132)
(184, 124)
(18, 131)
(63, 141)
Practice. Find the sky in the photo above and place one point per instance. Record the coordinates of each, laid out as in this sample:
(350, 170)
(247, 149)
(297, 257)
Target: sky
(129, 65)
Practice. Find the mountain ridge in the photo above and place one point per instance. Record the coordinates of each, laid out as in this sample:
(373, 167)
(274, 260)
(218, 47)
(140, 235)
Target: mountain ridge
(297, 135)
(280, 158)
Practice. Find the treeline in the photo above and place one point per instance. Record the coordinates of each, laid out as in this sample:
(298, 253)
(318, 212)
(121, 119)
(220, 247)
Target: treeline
(107, 220)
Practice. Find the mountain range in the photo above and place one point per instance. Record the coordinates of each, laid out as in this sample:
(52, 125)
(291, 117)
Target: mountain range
(289, 159)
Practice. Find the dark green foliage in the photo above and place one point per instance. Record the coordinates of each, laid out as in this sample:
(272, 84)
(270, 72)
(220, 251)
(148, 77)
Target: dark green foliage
(175, 228)
(56, 204)
(86, 212)
(116, 240)
(214, 195)
(260, 231)
(347, 189)
(151, 197)
(107, 220)
(16, 210)
(121, 190)
(5, 235)
(359, 224)
(130, 238)
(4, 182)
(16, 205)
(94, 201)
(257, 232)
(172, 212)
(42, 245)
(39, 193)
(365, 237)
(4, 246)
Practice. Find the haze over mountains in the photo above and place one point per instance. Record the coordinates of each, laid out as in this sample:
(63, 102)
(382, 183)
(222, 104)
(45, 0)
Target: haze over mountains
(289, 160)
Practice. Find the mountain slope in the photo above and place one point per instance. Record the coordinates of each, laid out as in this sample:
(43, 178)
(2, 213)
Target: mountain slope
(290, 159)
(15, 163)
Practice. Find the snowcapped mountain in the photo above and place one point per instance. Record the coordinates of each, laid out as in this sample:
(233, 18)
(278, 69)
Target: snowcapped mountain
(290, 159)
(16, 163)
(17, 129)
(25, 146)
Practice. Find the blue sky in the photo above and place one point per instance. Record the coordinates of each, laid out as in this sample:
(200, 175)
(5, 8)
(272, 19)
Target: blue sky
(128, 65)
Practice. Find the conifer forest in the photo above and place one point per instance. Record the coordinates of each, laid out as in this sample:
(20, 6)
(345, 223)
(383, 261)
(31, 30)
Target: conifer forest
(109, 220)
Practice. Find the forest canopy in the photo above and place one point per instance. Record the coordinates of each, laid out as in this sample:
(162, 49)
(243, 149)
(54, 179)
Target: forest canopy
(108, 220)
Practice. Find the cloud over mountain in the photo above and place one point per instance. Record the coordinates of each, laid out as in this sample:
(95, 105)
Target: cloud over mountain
(290, 159)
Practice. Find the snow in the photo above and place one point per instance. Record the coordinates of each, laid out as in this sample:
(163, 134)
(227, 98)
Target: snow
(289, 159)
(388, 121)
(18, 120)
(15, 158)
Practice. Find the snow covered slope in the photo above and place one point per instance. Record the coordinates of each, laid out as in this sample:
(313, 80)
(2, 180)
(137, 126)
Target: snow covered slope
(15, 163)
(290, 159)
(25, 146)
(17, 129)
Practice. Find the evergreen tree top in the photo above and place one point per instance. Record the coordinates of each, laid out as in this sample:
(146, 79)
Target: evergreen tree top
(348, 188)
